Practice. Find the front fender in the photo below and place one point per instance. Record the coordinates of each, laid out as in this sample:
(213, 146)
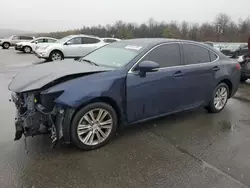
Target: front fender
(81, 90)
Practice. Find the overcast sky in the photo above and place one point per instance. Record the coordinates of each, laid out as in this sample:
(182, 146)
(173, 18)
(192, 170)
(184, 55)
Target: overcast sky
(53, 15)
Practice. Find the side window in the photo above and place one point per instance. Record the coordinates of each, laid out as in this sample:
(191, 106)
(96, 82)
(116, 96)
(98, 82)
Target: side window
(74, 41)
(16, 38)
(87, 40)
(25, 38)
(51, 40)
(39, 41)
(109, 40)
(194, 54)
(213, 56)
(166, 55)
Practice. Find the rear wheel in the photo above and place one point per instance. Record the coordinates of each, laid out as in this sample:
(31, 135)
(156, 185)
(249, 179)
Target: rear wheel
(93, 126)
(27, 49)
(6, 45)
(56, 56)
(219, 98)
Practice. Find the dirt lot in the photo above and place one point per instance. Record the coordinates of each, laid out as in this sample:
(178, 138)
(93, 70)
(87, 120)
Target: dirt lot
(190, 149)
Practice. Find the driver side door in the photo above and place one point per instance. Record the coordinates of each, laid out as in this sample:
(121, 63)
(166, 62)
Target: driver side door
(72, 48)
(159, 92)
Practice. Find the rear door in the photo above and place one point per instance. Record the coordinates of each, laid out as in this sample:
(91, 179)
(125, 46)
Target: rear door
(15, 40)
(158, 92)
(200, 70)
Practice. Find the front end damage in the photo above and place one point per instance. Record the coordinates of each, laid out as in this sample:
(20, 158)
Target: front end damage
(37, 114)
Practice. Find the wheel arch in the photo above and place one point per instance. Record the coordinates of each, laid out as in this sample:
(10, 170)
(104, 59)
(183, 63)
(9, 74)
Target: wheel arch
(229, 84)
(106, 100)
(70, 114)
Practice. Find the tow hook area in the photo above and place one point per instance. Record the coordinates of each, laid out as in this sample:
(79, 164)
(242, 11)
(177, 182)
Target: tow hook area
(19, 130)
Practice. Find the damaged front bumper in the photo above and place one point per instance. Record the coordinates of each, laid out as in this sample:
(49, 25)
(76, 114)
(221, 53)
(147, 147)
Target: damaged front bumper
(33, 119)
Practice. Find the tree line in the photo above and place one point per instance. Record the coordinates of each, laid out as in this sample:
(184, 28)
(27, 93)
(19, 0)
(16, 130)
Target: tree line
(222, 29)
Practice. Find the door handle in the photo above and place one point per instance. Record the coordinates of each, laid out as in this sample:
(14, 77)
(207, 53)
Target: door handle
(178, 74)
(216, 68)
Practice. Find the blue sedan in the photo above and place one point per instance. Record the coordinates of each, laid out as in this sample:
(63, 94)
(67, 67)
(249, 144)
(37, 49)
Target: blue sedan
(130, 81)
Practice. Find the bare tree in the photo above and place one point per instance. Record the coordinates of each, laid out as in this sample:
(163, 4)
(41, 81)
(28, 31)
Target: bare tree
(221, 23)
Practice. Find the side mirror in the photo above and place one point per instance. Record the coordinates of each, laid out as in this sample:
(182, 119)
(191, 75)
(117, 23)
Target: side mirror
(36, 42)
(147, 66)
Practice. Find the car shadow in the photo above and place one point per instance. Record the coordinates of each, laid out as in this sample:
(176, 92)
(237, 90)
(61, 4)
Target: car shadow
(42, 144)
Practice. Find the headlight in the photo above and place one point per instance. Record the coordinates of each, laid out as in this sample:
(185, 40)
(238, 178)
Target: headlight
(47, 99)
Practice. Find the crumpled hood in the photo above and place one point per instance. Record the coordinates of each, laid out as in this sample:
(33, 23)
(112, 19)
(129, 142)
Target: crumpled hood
(37, 76)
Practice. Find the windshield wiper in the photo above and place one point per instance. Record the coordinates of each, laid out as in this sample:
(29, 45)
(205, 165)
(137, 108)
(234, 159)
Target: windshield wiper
(90, 62)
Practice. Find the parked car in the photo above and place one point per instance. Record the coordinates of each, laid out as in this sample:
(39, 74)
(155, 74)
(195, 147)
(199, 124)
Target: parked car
(244, 61)
(130, 81)
(209, 43)
(11, 41)
(29, 46)
(235, 50)
(72, 46)
(110, 40)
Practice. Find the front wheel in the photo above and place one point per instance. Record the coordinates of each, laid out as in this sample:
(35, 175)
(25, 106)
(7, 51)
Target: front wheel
(219, 98)
(27, 49)
(6, 45)
(56, 56)
(93, 126)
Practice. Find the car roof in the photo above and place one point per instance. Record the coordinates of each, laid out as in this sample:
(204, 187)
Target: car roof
(150, 42)
(46, 38)
(82, 35)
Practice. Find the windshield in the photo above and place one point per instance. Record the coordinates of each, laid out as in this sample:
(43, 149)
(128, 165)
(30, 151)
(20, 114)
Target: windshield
(63, 40)
(114, 55)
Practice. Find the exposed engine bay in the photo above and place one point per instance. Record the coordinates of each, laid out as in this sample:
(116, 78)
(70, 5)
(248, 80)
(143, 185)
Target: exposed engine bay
(32, 117)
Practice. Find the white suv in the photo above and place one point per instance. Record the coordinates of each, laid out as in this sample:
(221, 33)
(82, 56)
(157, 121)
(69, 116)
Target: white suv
(72, 46)
(29, 46)
(11, 41)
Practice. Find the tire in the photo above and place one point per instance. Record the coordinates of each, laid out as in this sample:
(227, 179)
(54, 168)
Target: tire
(212, 107)
(55, 56)
(27, 49)
(81, 133)
(6, 45)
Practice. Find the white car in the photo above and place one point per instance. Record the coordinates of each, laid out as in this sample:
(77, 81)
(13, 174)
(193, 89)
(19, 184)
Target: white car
(11, 41)
(29, 46)
(110, 40)
(72, 46)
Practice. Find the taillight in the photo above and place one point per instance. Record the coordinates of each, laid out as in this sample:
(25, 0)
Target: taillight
(238, 67)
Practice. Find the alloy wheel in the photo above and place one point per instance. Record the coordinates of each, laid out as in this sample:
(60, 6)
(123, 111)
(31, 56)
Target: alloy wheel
(95, 127)
(6, 45)
(56, 56)
(220, 98)
(27, 49)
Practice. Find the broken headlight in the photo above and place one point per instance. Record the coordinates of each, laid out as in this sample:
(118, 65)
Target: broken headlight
(47, 99)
